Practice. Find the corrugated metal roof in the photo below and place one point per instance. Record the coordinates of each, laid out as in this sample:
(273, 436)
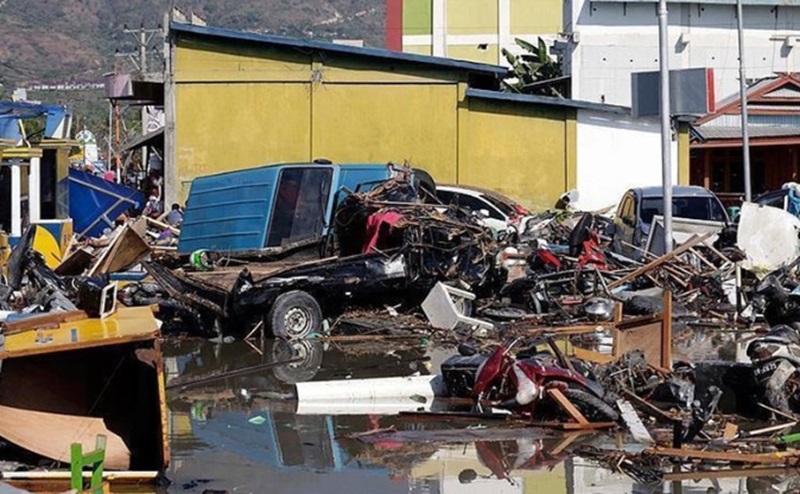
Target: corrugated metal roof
(774, 107)
(750, 90)
(306, 44)
(711, 133)
(546, 100)
(773, 120)
(784, 92)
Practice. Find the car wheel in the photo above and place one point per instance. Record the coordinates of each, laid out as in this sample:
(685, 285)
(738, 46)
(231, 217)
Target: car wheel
(295, 314)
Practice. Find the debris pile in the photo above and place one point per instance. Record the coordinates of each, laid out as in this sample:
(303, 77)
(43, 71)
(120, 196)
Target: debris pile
(559, 324)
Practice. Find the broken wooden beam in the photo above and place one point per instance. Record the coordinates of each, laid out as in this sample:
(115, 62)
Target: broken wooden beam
(46, 320)
(729, 473)
(567, 405)
(760, 458)
(661, 260)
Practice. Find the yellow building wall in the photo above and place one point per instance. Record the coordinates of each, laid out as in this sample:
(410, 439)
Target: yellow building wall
(202, 61)
(417, 49)
(229, 126)
(240, 110)
(379, 123)
(536, 17)
(520, 150)
(472, 17)
(683, 155)
(473, 53)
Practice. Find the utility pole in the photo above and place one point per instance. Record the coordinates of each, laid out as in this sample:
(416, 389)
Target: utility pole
(748, 192)
(143, 38)
(666, 125)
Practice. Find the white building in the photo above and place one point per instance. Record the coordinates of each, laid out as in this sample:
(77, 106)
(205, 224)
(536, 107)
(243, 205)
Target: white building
(617, 152)
(610, 39)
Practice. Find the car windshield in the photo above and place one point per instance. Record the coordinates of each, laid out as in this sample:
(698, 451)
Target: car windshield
(504, 207)
(696, 208)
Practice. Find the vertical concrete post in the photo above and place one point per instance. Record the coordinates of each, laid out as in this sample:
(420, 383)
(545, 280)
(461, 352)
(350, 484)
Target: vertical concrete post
(503, 28)
(16, 199)
(34, 190)
(439, 28)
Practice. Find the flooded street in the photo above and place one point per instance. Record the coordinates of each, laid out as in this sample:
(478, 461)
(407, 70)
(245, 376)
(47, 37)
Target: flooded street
(247, 434)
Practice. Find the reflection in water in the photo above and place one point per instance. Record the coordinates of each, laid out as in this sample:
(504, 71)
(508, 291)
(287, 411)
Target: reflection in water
(243, 433)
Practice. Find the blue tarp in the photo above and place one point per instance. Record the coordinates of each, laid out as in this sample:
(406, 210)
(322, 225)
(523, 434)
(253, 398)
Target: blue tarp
(94, 203)
(13, 111)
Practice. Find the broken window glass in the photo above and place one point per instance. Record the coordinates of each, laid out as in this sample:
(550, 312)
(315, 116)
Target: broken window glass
(301, 200)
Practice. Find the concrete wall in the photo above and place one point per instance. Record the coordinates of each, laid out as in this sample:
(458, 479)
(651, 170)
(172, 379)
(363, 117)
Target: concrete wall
(616, 153)
(616, 38)
(522, 150)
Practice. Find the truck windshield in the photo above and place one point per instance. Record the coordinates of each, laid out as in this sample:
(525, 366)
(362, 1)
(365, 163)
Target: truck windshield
(301, 199)
(696, 208)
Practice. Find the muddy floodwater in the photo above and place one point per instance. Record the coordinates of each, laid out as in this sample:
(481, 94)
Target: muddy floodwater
(247, 433)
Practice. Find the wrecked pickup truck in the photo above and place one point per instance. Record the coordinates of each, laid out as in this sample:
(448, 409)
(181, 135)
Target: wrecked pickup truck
(290, 245)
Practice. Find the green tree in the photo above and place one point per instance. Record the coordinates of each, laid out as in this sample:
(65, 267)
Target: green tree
(535, 72)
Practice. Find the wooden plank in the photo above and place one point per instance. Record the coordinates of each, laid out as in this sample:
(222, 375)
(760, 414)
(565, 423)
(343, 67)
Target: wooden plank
(591, 356)
(666, 332)
(567, 405)
(638, 321)
(617, 313)
(730, 431)
(164, 226)
(778, 412)
(51, 434)
(652, 409)
(634, 423)
(43, 320)
(766, 458)
(128, 248)
(573, 426)
(733, 473)
(76, 263)
(661, 260)
(647, 338)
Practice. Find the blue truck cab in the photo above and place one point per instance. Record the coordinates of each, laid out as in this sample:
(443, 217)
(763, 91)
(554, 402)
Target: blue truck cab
(270, 206)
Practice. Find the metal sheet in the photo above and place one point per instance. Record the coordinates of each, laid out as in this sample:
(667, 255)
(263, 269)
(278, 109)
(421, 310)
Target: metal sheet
(95, 203)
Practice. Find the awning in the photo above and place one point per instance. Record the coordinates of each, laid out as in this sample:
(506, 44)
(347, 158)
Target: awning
(151, 139)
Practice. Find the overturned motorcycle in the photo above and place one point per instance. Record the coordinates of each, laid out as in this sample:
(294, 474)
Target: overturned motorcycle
(776, 362)
(521, 382)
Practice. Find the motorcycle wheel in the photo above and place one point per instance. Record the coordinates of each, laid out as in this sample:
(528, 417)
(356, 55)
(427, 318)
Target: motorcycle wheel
(592, 407)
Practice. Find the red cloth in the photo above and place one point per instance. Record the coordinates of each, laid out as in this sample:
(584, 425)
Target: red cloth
(375, 226)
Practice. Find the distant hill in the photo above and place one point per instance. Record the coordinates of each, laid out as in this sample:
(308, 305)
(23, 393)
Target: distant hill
(44, 41)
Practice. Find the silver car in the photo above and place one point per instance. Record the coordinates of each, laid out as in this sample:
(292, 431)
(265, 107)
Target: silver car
(638, 206)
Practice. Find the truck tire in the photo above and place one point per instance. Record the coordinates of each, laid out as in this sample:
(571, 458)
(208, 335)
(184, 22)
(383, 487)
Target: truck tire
(295, 314)
(309, 351)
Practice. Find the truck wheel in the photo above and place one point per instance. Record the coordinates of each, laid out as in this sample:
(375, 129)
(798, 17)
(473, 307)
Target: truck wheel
(295, 314)
(309, 352)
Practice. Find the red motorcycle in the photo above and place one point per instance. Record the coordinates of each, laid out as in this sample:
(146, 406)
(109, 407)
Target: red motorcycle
(521, 385)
